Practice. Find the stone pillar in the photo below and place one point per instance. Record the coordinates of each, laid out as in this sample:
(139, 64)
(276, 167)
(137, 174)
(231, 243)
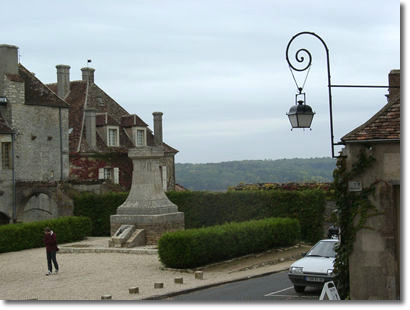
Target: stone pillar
(147, 207)
(157, 128)
(90, 127)
(88, 74)
(63, 80)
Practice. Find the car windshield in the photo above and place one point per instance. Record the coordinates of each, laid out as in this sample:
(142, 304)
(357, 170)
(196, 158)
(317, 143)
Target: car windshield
(323, 249)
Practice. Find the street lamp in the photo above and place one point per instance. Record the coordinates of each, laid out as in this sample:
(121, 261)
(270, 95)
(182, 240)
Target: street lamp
(301, 115)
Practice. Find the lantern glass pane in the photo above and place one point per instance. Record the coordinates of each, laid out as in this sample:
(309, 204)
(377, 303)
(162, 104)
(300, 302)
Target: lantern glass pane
(304, 120)
(293, 120)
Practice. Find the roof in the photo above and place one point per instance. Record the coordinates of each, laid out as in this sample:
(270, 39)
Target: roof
(132, 120)
(36, 93)
(104, 119)
(108, 112)
(384, 125)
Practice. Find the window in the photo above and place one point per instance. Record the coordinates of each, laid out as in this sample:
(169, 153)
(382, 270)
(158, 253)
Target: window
(112, 174)
(107, 173)
(140, 137)
(6, 155)
(113, 136)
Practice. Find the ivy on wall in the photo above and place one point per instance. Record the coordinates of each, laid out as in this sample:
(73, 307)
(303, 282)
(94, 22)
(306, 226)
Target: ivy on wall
(354, 209)
(86, 167)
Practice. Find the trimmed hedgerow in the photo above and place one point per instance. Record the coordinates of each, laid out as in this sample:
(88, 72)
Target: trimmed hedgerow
(203, 209)
(98, 208)
(197, 247)
(16, 237)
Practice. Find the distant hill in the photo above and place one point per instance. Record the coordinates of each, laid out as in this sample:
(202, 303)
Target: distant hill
(219, 176)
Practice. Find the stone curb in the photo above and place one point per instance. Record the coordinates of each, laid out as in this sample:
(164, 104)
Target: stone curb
(71, 250)
(190, 290)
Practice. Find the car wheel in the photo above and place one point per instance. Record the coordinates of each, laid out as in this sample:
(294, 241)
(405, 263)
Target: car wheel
(299, 289)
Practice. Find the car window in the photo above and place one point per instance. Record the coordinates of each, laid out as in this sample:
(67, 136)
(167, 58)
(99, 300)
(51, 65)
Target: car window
(323, 248)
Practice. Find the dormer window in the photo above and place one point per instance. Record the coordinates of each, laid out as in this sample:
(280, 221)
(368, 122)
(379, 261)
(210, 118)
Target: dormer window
(113, 137)
(140, 136)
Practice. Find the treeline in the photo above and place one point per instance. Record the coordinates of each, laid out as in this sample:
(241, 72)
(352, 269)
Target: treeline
(219, 176)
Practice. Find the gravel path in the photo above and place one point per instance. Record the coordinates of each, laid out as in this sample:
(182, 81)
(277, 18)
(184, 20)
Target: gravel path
(88, 276)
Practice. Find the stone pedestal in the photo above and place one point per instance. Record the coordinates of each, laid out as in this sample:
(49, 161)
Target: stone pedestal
(147, 207)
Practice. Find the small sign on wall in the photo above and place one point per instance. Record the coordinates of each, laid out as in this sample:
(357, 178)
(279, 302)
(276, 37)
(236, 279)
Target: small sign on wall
(355, 186)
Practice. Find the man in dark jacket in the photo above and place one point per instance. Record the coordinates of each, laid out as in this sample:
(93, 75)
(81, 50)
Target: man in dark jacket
(50, 241)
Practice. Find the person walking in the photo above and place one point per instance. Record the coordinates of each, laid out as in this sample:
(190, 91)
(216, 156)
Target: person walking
(50, 241)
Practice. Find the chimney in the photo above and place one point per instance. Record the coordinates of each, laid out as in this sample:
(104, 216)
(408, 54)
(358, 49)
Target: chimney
(90, 127)
(63, 80)
(8, 61)
(394, 80)
(157, 128)
(88, 74)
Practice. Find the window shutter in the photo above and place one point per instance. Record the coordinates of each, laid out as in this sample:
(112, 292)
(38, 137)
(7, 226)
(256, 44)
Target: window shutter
(101, 174)
(116, 175)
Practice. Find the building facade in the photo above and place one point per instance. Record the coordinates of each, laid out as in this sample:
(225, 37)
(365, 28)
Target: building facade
(374, 265)
(34, 143)
(101, 132)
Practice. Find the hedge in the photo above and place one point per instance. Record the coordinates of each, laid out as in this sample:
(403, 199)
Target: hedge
(16, 237)
(98, 208)
(197, 247)
(203, 209)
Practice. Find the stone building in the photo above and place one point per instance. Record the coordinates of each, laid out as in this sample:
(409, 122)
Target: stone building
(375, 261)
(34, 144)
(101, 132)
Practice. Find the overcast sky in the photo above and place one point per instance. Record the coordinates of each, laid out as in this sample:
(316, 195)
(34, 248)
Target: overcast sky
(217, 68)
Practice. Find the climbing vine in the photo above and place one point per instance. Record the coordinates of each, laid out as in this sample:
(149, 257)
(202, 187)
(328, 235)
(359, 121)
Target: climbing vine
(354, 209)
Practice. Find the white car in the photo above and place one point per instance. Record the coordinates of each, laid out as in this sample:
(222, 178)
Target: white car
(316, 267)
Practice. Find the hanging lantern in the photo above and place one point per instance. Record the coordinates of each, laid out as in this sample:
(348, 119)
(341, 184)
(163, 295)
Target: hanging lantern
(300, 115)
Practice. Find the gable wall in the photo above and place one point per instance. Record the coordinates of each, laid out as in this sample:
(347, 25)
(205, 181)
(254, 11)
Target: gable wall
(374, 265)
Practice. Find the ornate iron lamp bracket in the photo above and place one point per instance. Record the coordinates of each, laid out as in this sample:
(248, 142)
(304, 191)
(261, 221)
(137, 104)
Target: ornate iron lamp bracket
(300, 58)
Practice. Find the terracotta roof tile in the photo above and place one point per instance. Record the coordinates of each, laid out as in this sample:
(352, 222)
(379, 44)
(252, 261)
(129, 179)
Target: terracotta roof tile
(132, 120)
(36, 93)
(104, 119)
(385, 124)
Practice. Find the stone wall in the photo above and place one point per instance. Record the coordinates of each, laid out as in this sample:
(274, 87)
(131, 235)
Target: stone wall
(42, 200)
(374, 264)
(40, 154)
(37, 147)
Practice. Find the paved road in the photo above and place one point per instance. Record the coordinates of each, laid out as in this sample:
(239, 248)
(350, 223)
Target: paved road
(268, 288)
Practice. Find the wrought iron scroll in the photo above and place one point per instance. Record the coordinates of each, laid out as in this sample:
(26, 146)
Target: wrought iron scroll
(300, 58)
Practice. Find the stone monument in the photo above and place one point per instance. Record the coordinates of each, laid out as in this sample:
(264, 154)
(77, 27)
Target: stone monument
(147, 212)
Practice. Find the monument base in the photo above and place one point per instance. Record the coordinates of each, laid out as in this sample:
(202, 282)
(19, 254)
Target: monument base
(154, 225)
